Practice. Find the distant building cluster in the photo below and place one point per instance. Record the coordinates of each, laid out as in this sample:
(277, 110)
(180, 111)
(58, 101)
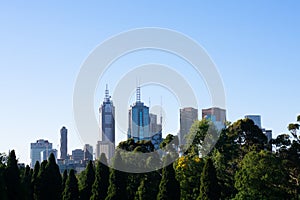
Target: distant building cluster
(142, 125)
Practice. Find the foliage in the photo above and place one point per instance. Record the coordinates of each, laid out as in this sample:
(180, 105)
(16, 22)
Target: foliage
(261, 176)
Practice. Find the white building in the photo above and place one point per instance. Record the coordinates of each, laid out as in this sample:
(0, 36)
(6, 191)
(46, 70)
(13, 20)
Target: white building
(36, 149)
(105, 147)
(46, 153)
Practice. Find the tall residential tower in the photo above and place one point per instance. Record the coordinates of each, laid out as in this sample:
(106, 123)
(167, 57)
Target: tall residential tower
(63, 143)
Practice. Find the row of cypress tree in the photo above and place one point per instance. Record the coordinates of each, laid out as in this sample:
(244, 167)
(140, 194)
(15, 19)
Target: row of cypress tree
(96, 183)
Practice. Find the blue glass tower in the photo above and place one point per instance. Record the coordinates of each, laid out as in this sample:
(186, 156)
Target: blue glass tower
(139, 120)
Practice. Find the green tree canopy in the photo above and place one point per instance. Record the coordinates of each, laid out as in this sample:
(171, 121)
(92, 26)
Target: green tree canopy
(261, 176)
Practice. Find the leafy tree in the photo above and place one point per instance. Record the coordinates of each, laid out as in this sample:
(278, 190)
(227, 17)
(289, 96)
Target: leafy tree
(247, 135)
(261, 176)
(209, 187)
(64, 179)
(71, 191)
(100, 186)
(169, 187)
(195, 138)
(117, 180)
(12, 177)
(86, 181)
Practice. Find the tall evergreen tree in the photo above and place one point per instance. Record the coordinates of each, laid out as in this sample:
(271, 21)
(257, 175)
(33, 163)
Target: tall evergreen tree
(169, 188)
(3, 191)
(53, 179)
(12, 177)
(100, 186)
(209, 187)
(64, 179)
(117, 181)
(87, 181)
(71, 191)
(145, 190)
(26, 183)
(48, 184)
(34, 178)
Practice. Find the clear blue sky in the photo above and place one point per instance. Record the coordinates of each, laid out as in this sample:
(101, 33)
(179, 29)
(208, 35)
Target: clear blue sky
(255, 45)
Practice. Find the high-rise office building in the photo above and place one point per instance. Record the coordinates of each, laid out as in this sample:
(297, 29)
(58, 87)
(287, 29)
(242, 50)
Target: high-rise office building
(36, 149)
(106, 144)
(187, 117)
(63, 143)
(139, 120)
(216, 115)
(256, 119)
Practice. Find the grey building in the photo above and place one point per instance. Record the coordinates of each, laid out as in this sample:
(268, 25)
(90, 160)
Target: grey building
(88, 152)
(63, 143)
(78, 155)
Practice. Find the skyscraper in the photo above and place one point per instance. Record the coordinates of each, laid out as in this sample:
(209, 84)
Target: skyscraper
(139, 120)
(36, 149)
(63, 142)
(216, 115)
(187, 117)
(106, 144)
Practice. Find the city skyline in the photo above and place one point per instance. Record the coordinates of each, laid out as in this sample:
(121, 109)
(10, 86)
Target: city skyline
(255, 46)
